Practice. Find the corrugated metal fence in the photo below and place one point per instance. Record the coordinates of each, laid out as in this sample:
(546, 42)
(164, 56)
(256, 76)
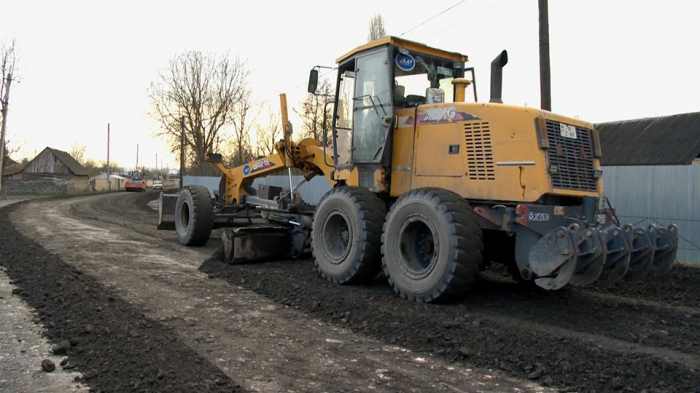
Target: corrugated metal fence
(643, 195)
(311, 192)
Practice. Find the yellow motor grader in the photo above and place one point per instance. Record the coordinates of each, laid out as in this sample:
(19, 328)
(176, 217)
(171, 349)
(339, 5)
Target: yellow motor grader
(428, 187)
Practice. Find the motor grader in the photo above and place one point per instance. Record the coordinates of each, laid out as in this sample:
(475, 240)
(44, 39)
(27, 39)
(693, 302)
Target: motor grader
(428, 187)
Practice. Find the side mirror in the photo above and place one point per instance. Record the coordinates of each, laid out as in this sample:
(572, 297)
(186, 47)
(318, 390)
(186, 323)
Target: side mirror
(313, 81)
(213, 158)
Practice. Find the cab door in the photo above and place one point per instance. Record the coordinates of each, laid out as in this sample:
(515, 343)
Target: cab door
(372, 106)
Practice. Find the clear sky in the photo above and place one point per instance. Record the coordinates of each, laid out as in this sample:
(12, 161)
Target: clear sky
(84, 64)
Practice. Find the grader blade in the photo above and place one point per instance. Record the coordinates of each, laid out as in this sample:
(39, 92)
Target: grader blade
(617, 262)
(255, 243)
(553, 258)
(642, 258)
(166, 211)
(591, 257)
(665, 241)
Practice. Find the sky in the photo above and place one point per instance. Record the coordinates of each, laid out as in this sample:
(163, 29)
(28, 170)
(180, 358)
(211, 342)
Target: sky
(84, 64)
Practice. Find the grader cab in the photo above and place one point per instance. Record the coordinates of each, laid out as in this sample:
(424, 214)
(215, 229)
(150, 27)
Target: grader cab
(429, 188)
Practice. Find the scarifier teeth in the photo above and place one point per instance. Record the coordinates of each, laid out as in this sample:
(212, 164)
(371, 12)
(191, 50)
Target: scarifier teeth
(665, 243)
(617, 262)
(642, 250)
(553, 258)
(583, 256)
(591, 257)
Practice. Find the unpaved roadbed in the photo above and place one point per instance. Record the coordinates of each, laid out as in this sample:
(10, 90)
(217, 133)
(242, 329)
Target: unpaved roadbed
(277, 326)
(501, 325)
(118, 349)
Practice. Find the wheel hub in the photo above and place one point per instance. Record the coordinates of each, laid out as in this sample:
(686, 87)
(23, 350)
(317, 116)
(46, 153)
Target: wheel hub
(337, 236)
(417, 246)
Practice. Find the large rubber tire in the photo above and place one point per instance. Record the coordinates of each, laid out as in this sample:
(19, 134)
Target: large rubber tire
(432, 245)
(346, 235)
(194, 216)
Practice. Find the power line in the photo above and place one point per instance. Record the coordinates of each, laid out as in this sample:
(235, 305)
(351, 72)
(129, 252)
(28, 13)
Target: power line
(431, 18)
(462, 21)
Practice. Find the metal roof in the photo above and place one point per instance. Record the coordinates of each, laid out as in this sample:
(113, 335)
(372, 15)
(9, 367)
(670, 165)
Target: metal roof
(70, 162)
(402, 43)
(667, 140)
(67, 160)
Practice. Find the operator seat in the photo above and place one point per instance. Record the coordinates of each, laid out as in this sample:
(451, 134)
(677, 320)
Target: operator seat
(399, 98)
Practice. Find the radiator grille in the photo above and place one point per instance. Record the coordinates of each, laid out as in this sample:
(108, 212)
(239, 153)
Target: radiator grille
(477, 136)
(573, 159)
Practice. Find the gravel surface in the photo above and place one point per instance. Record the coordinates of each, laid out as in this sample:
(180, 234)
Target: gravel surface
(277, 326)
(572, 339)
(264, 345)
(113, 345)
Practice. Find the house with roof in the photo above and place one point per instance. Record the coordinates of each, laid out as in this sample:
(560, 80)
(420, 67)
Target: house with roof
(651, 173)
(51, 172)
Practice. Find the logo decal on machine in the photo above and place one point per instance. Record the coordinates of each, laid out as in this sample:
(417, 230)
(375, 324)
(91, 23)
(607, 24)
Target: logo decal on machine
(532, 216)
(444, 115)
(260, 165)
(246, 170)
(405, 62)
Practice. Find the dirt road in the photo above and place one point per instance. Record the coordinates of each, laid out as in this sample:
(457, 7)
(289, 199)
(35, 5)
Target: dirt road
(278, 327)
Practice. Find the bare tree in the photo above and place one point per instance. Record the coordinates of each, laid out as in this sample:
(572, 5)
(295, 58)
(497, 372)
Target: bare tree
(8, 62)
(268, 134)
(77, 151)
(242, 121)
(9, 152)
(376, 28)
(312, 113)
(93, 168)
(206, 90)
(114, 168)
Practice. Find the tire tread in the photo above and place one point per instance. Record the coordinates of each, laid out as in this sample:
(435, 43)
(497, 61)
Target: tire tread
(465, 239)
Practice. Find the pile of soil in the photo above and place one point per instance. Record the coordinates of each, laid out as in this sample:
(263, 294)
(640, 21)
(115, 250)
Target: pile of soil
(113, 345)
(680, 287)
(492, 328)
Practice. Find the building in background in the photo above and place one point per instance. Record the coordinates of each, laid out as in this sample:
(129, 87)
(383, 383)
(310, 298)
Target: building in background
(51, 172)
(651, 171)
(99, 183)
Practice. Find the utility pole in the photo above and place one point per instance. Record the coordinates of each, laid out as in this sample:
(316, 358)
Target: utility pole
(545, 74)
(109, 181)
(156, 164)
(5, 103)
(137, 157)
(182, 150)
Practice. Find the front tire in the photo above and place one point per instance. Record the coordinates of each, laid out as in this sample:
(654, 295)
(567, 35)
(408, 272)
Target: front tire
(432, 245)
(194, 216)
(346, 235)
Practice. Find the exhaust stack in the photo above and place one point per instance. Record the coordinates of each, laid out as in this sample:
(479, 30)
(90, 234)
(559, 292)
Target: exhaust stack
(497, 77)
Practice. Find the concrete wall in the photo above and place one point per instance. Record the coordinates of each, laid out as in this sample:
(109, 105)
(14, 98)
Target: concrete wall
(659, 194)
(101, 183)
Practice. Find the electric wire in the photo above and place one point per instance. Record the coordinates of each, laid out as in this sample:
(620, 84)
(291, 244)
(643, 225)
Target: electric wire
(462, 21)
(431, 18)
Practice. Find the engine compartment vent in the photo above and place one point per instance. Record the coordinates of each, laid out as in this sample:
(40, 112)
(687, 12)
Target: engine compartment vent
(477, 136)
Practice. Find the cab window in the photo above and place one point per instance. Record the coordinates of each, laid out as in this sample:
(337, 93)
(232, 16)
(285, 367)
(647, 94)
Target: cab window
(416, 75)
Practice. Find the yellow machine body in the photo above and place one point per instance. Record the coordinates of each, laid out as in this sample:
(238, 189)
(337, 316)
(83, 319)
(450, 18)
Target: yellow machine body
(528, 185)
(494, 157)
(306, 155)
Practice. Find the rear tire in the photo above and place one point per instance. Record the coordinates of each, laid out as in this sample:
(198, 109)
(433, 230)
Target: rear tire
(432, 245)
(346, 235)
(194, 216)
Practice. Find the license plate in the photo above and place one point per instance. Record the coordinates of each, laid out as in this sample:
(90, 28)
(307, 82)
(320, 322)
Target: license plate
(567, 131)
